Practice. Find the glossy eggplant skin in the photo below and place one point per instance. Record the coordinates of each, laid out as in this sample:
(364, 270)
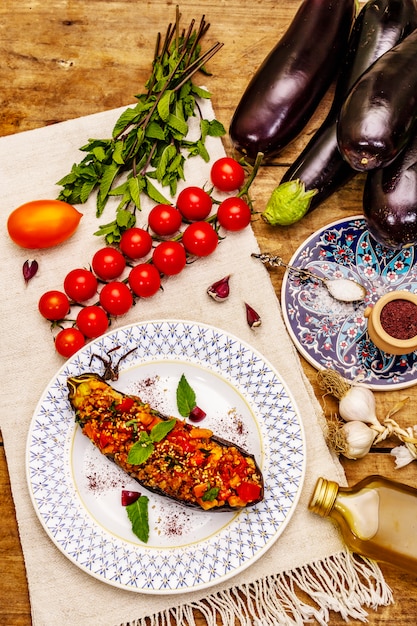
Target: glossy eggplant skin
(379, 26)
(390, 200)
(288, 86)
(379, 115)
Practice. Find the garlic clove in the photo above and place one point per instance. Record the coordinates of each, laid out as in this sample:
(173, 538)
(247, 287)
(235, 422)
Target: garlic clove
(403, 456)
(220, 290)
(252, 317)
(29, 270)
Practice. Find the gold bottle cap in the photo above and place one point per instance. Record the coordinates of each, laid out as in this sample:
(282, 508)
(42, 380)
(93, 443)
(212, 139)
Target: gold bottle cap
(323, 497)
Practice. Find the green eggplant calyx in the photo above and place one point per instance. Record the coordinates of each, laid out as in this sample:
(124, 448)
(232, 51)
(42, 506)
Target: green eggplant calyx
(289, 202)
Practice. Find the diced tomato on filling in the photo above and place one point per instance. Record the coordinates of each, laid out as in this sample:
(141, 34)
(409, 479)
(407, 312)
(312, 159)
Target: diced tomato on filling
(125, 405)
(106, 442)
(248, 492)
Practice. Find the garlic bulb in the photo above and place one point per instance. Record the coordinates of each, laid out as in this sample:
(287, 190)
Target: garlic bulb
(352, 439)
(356, 401)
(359, 404)
(358, 439)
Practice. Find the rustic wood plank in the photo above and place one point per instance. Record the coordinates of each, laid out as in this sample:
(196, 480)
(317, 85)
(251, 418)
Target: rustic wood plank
(85, 57)
(14, 604)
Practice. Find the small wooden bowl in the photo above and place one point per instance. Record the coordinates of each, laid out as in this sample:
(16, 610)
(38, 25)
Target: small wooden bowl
(381, 338)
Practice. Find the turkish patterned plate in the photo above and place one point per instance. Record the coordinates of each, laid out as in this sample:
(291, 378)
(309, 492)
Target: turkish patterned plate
(332, 334)
(76, 491)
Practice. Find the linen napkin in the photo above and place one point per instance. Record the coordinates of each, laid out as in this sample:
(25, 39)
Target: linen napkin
(309, 555)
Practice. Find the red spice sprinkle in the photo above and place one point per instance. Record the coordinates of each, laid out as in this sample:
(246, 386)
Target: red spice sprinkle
(399, 319)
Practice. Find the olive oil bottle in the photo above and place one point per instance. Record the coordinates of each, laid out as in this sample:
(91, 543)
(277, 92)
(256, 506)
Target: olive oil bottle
(377, 518)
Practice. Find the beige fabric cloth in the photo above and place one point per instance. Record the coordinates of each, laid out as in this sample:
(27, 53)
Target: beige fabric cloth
(60, 593)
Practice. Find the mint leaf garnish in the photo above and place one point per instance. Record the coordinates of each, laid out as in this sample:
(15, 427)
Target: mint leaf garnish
(143, 448)
(186, 400)
(138, 516)
(160, 430)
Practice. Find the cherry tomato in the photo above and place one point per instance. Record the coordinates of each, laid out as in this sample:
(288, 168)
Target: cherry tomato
(135, 243)
(194, 203)
(200, 239)
(80, 285)
(164, 219)
(92, 321)
(54, 305)
(144, 280)
(169, 257)
(68, 341)
(234, 214)
(227, 174)
(108, 263)
(42, 223)
(116, 298)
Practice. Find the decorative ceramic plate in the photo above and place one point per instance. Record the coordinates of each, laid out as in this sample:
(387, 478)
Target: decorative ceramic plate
(76, 491)
(333, 334)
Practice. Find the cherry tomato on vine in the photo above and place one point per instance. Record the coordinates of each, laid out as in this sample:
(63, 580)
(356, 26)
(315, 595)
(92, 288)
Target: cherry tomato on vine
(227, 174)
(169, 257)
(194, 203)
(68, 341)
(234, 214)
(144, 280)
(54, 305)
(200, 239)
(116, 298)
(135, 243)
(108, 263)
(164, 219)
(80, 285)
(92, 321)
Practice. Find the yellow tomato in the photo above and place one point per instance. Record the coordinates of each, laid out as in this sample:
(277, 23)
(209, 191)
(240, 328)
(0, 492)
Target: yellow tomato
(42, 223)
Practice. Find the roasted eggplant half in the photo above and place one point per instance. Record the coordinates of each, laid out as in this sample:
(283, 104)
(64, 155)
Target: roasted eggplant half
(165, 455)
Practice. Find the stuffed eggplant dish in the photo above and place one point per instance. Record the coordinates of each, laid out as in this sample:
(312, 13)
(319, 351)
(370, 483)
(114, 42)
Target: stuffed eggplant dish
(165, 455)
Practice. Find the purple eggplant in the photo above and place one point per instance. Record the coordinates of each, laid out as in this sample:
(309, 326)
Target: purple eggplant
(320, 168)
(390, 200)
(288, 86)
(379, 115)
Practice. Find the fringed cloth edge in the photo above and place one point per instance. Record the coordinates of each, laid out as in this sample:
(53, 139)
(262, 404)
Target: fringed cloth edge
(344, 583)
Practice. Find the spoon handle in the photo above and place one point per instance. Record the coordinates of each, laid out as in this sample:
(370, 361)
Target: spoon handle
(276, 261)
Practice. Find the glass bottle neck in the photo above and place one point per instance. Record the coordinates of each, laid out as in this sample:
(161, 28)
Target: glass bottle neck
(324, 496)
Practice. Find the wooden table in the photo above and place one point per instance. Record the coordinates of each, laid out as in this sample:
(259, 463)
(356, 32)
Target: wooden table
(63, 59)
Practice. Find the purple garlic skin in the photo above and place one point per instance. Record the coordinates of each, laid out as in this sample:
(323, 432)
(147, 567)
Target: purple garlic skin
(252, 317)
(220, 290)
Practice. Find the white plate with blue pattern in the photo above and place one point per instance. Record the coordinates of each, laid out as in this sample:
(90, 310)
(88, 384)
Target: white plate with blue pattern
(76, 491)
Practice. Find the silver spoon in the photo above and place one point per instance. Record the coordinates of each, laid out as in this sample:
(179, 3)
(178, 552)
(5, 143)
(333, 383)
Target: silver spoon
(342, 289)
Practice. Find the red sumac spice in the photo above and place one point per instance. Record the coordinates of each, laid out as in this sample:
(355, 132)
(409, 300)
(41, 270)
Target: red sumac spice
(399, 319)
